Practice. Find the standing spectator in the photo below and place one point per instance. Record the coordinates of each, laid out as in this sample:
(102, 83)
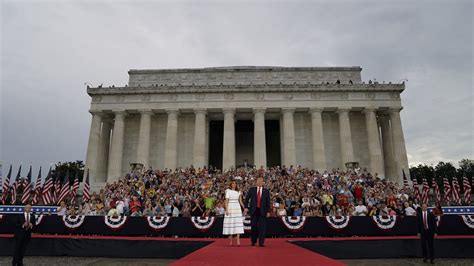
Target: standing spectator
(298, 210)
(120, 206)
(426, 232)
(175, 212)
(358, 192)
(159, 210)
(360, 209)
(219, 210)
(409, 211)
(281, 210)
(62, 209)
(196, 209)
(149, 211)
(168, 207)
(135, 206)
(24, 225)
(209, 203)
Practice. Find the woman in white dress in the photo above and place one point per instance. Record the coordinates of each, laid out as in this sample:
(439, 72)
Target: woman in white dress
(233, 219)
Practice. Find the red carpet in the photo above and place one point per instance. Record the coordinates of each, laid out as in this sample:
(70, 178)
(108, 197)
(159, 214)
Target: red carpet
(277, 251)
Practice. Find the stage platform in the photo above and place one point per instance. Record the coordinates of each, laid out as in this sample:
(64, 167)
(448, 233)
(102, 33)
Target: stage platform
(216, 251)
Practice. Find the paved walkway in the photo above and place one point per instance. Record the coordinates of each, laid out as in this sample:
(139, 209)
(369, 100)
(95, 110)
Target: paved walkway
(46, 261)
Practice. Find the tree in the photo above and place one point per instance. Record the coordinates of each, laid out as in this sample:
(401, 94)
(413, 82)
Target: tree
(466, 167)
(422, 171)
(443, 169)
(62, 167)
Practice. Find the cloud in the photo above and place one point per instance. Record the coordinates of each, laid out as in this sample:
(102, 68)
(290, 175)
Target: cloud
(49, 49)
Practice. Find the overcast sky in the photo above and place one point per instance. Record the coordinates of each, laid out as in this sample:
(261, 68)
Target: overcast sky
(50, 48)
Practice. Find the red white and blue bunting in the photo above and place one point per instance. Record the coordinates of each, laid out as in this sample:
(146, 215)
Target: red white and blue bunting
(115, 222)
(247, 224)
(157, 222)
(385, 222)
(73, 221)
(202, 224)
(38, 218)
(468, 220)
(294, 223)
(338, 222)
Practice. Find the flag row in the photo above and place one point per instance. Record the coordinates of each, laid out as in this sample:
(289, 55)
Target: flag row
(52, 191)
(451, 192)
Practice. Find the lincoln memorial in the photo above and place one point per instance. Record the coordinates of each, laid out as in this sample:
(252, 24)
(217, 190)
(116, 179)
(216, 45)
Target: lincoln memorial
(316, 117)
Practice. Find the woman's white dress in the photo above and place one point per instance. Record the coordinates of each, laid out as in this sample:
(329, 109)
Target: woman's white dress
(234, 221)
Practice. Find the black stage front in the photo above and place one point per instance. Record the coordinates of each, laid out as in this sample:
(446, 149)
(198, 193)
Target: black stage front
(175, 248)
(75, 246)
(386, 247)
(184, 227)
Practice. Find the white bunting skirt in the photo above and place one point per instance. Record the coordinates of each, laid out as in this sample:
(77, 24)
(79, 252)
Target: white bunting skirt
(234, 221)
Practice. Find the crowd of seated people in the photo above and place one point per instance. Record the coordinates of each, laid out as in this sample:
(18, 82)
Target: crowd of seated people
(295, 191)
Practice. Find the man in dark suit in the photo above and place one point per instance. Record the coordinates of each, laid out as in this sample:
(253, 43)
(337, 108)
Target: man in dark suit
(257, 204)
(24, 225)
(426, 230)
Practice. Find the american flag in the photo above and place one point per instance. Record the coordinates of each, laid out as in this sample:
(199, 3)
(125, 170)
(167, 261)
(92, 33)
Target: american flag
(74, 189)
(467, 190)
(57, 187)
(416, 191)
(25, 198)
(6, 186)
(456, 191)
(47, 189)
(64, 188)
(447, 191)
(425, 191)
(86, 196)
(15, 186)
(436, 190)
(37, 191)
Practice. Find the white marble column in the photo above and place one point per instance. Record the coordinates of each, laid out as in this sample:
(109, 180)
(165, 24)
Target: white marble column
(289, 142)
(347, 150)
(171, 146)
(399, 148)
(259, 141)
(93, 146)
(375, 150)
(228, 156)
(116, 153)
(387, 147)
(199, 138)
(319, 154)
(104, 145)
(143, 150)
(206, 145)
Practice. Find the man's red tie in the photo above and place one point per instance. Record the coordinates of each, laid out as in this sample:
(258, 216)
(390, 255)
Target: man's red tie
(258, 198)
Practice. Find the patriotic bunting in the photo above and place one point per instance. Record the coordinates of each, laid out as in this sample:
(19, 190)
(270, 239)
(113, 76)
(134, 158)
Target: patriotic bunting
(202, 224)
(157, 222)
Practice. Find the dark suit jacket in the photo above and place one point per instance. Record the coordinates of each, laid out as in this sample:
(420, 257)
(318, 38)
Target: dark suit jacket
(21, 232)
(251, 201)
(431, 221)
